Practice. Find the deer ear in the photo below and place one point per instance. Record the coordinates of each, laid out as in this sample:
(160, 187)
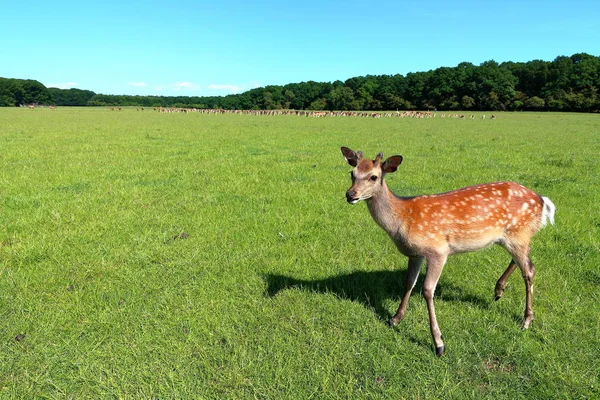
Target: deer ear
(391, 164)
(351, 157)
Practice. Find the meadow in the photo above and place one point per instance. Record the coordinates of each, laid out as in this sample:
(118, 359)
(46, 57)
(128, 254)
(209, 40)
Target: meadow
(148, 255)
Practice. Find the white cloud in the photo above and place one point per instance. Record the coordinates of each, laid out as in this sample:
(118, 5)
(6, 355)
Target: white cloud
(178, 86)
(64, 85)
(185, 86)
(137, 84)
(229, 88)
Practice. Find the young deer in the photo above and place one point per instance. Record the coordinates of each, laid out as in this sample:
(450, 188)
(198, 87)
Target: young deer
(432, 227)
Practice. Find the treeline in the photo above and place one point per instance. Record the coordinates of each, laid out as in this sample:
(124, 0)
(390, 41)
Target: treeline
(15, 92)
(564, 84)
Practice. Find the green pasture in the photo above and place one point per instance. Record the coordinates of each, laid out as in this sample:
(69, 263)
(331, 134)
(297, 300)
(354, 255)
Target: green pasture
(147, 255)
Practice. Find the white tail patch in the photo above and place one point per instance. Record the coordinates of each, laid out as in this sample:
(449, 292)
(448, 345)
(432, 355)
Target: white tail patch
(548, 212)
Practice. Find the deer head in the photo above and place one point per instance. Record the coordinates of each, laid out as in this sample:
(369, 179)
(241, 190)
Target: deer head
(368, 175)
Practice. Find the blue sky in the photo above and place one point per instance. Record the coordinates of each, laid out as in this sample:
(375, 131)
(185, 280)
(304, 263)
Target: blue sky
(219, 47)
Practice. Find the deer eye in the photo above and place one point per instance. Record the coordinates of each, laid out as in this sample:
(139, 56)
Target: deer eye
(373, 178)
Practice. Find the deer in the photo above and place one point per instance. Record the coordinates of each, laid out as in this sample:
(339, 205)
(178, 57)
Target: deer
(432, 227)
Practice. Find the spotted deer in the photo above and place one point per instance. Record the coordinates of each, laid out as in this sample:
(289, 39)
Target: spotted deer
(433, 227)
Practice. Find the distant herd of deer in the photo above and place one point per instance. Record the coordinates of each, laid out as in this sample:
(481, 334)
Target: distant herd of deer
(304, 113)
(320, 114)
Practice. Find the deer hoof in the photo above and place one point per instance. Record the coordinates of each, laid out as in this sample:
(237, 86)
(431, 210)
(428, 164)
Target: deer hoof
(499, 291)
(439, 351)
(526, 324)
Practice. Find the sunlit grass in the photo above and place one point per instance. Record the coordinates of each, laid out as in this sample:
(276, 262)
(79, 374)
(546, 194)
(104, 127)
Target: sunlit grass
(146, 255)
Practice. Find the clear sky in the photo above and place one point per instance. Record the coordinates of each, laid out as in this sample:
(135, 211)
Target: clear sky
(219, 47)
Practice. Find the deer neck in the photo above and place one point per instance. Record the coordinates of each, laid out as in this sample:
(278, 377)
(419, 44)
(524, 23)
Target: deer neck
(384, 207)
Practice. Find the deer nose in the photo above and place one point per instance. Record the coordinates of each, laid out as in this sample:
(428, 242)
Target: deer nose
(351, 196)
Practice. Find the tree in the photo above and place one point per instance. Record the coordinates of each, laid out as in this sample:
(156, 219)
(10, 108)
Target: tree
(535, 103)
(584, 100)
(35, 93)
(11, 93)
(441, 87)
(318, 104)
(15, 92)
(494, 86)
(531, 76)
(289, 96)
(467, 102)
(415, 88)
(585, 71)
(70, 97)
(559, 76)
(341, 98)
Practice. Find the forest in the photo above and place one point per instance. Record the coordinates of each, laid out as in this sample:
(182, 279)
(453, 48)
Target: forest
(564, 84)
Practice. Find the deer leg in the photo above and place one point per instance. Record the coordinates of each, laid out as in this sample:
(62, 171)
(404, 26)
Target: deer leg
(528, 274)
(412, 273)
(521, 257)
(501, 284)
(434, 270)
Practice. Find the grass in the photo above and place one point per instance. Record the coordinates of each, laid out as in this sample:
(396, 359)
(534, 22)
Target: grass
(147, 255)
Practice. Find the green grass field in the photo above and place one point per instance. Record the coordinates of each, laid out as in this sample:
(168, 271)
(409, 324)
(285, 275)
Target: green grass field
(147, 255)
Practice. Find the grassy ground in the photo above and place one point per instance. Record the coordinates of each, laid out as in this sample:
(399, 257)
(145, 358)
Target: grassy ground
(147, 255)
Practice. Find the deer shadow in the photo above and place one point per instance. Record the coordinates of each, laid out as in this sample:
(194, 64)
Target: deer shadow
(372, 289)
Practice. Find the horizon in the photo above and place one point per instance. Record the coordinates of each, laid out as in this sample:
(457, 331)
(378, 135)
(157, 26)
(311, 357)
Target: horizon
(258, 87)
(206, 49)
